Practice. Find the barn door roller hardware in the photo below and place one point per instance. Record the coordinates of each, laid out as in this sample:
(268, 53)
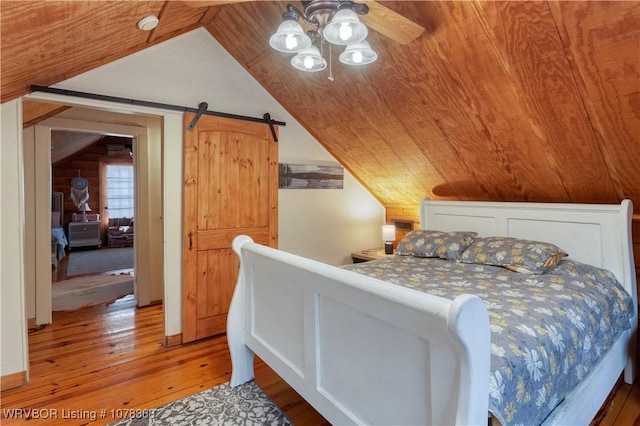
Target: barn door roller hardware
(202, 107)
(269, 121)
(199, 111)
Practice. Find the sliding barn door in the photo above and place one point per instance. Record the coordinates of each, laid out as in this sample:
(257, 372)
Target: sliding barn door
(230, 188)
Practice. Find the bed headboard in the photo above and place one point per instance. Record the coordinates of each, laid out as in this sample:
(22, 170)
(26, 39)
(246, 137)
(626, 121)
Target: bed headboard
(57, 208)
(597, 234)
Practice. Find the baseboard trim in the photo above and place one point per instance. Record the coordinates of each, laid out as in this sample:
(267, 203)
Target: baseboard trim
(12, 381)
(174, 340)
(31, 323)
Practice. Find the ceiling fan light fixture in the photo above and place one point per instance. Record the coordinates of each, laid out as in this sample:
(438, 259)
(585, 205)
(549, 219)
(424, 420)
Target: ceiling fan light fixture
(331, 22)
(309, 60)
(345, 28)
(290, 38)
(358, 54)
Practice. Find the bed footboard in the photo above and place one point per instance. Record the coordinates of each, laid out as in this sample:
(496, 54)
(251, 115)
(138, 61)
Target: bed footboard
(359, 350)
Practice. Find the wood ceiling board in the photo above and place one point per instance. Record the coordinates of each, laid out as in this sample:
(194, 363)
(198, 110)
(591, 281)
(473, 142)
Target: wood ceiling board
(405, 87)
(428, 92)
(602, 40)
(536, 64)
(65, 144)
(479, 109)
(383, 126)
(380, 179)
(176, 18)
(47, 42)
(230, 27)
(34, 112)
(213, 3)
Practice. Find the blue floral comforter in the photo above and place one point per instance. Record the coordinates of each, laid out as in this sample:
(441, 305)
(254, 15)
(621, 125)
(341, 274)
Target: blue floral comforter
(59, 238)
(547, 331)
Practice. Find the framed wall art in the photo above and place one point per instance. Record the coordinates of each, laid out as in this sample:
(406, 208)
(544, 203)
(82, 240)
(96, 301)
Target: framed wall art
(310, 176)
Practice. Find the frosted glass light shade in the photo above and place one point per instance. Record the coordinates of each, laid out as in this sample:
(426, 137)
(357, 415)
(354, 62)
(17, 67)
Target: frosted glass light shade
(388, 232)
(290, 38)
(309, 60)
(358, 54)
(345, 28)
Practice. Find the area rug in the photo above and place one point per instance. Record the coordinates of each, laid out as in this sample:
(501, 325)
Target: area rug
(93, 261)
(81, 292)
(244, 405)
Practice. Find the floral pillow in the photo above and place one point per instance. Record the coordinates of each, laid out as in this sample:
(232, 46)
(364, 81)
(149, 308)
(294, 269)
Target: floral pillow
(424, 243)
(526, 256)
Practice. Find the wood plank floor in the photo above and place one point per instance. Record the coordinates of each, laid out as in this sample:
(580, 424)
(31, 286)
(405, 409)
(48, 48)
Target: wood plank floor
(111, 357)
(105, 358)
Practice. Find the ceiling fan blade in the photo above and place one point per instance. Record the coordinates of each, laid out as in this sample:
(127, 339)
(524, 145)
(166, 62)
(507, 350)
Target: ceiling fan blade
(207, 3)
(390, 24)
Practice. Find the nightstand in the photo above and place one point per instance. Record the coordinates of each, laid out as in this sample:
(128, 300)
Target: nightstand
(369, 254)
(82, 234)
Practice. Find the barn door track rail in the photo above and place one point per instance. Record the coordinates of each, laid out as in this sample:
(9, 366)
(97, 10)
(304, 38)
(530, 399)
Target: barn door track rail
(202, 107)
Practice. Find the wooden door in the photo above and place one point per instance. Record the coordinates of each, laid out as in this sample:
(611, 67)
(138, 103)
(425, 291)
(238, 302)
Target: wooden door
(230, 188)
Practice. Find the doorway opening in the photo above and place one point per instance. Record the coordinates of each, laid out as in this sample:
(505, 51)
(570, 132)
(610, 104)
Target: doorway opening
(97, 265)
(139, 134)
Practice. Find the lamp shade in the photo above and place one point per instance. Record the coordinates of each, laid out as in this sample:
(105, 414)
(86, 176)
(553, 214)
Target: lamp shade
(290, 38)
(388, 232)
(345, 28)
(309, 60)
(358, 54)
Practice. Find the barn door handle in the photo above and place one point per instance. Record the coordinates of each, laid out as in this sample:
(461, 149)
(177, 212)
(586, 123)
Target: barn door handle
(190, 240)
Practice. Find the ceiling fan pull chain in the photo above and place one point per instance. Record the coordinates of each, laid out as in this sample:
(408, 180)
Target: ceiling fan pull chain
(330, 78)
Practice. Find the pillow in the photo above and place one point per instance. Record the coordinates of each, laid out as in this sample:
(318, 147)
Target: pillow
(55, 219)
(115, 231)
(525, 256)
(446, 245)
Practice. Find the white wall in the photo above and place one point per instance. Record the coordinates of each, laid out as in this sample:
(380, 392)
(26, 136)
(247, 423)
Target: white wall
(13, 344)
(325, 225)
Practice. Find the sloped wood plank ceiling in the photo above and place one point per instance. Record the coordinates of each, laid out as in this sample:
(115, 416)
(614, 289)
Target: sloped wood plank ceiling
(504, 101)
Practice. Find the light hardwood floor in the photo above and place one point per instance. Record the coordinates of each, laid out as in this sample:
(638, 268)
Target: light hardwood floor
(107, 358)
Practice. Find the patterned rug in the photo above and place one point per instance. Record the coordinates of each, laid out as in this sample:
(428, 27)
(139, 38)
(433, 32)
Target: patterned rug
(245, 405)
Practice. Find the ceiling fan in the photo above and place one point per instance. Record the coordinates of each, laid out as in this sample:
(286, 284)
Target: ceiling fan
(377, 17)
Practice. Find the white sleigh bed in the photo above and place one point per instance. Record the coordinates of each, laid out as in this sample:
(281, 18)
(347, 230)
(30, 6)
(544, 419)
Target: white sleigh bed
(363, 351)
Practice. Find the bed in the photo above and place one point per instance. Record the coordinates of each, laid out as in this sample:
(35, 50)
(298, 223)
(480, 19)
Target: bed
(362, 350)
(58, 237)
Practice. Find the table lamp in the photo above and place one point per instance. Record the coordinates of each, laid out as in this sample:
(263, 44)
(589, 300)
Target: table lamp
(388, 236)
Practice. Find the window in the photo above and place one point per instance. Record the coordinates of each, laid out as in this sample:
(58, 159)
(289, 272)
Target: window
(120, 196)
